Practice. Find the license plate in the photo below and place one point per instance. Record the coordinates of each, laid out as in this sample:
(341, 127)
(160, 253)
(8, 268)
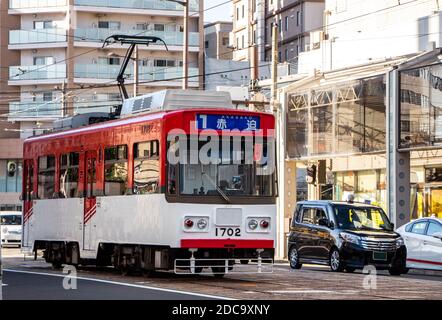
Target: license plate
(382, 256)
(228, 232)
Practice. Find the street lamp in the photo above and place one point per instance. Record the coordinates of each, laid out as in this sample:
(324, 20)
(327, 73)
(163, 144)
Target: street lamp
(185, 4)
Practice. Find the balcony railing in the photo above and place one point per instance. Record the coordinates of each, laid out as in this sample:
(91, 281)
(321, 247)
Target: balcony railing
(104, 71)
(100, 34)
(34, 109)
(37, 36)
(37, 72)
(29, 4)
(138, 4)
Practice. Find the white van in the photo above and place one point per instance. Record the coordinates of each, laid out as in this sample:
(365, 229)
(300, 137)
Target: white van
(10, 228)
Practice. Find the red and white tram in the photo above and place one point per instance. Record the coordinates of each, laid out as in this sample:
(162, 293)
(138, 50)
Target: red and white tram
(108, 194)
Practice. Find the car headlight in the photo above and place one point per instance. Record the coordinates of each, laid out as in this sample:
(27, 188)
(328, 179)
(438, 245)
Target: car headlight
(348, 237)
(253, 224)
(201, 224)
(399, 242)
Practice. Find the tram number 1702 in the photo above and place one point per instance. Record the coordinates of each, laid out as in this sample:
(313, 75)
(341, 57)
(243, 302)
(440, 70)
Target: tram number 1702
(231, 232)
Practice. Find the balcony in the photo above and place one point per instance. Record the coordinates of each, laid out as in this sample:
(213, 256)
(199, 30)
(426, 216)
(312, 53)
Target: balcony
(110, 72)
(137, 4)
(35, 6)
(23, 37)
(34, 109)
(172, 38)
(37, 72)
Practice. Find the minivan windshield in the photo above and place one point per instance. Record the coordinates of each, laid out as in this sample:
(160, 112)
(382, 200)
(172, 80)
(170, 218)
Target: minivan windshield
(10, 220)
(361, 218)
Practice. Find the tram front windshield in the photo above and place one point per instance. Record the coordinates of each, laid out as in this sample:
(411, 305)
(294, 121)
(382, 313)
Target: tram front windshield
(236, 169)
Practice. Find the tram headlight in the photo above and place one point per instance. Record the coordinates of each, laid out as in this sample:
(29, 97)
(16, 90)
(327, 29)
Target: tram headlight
(202, 224)
(253, 224)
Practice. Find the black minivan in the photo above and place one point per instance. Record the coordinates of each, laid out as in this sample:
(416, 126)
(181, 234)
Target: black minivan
(345, 236)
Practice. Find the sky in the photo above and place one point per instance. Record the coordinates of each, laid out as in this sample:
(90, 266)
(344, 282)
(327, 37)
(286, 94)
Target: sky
(219, 13)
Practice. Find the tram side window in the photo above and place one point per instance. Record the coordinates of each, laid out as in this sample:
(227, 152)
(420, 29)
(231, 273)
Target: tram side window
(146, 167)
(115, 170)
(69, 175)
(46, 177)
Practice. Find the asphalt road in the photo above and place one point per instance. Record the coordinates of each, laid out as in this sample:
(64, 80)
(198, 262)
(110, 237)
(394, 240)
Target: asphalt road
(308, 283)
(27, 285)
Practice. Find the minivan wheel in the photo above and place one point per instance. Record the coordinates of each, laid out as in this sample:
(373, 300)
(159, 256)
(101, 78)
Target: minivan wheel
(350, 269)
(335, 261)
(396, 271)
(294, 259)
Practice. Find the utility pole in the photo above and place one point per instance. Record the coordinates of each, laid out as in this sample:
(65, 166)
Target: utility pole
(136, 71)
(280, 232)
(185, 44)
(63, 100)
(274, 97)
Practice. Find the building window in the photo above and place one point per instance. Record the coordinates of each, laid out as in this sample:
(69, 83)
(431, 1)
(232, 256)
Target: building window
(206, 44)
(164, 63)
(286, 24)
(158, 27)
(109, 61)
(44, 24)
(146, 167)
(286, 54)
(113, 25)
(225, 41)
(237, 13)
(279, 25)
(298, 18)
(141, 26)
(43, 61)
(243, 41)
(115, 170)
(46, 177)
(279, 56)
(242, 11)
(69, 175)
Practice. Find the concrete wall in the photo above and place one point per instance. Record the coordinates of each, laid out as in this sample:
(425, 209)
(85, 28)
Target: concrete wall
(361, 31)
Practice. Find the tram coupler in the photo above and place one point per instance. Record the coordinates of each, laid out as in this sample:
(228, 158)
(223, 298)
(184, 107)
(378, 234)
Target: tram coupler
(258, 251)
(192, 260)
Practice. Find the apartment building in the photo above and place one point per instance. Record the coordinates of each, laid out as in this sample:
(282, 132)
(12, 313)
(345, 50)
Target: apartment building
(359, 32)
(52, 64)
(253, 21)
(64, 70)
(10, 143)
(216, 40)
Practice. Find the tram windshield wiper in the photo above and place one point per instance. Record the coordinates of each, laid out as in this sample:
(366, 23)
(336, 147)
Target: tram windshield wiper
(222, 193)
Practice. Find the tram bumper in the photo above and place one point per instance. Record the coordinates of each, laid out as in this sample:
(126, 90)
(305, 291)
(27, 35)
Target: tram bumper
(224, 256)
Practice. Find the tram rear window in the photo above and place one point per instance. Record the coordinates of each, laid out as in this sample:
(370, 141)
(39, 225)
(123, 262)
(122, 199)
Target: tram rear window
(46, 177)
(115, 170)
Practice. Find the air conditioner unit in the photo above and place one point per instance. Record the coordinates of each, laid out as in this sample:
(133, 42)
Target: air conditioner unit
(12, 168)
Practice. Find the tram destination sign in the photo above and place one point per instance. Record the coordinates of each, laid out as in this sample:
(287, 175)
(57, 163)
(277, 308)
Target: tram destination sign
(227, 122)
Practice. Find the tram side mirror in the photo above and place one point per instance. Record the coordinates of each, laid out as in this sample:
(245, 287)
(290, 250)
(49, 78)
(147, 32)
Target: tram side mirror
(438, 235)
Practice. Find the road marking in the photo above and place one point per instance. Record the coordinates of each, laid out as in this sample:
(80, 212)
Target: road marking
(313, 291)
(122, 284)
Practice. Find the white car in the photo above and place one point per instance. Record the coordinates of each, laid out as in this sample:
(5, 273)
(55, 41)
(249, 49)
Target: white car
(10, 228)
(423, 239)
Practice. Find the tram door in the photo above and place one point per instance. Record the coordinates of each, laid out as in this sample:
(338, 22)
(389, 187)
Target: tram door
(90, 204)
(27, 201)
